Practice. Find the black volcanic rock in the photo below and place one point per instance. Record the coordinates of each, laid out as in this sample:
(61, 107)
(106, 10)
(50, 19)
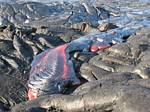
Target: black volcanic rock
(117, 78)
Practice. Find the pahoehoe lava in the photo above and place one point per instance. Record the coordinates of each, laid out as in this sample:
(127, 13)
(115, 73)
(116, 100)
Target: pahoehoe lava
(88, 55)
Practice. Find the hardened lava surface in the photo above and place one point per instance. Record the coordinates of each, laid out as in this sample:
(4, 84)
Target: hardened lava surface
(117, 79)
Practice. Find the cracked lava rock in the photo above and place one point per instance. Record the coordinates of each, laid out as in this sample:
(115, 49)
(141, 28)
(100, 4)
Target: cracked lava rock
(115, 79)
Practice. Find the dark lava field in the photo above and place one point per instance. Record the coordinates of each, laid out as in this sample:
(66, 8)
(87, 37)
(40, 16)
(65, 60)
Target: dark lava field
(116, 79)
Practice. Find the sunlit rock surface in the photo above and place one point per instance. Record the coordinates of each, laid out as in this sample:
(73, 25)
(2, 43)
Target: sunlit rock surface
(117, 78)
